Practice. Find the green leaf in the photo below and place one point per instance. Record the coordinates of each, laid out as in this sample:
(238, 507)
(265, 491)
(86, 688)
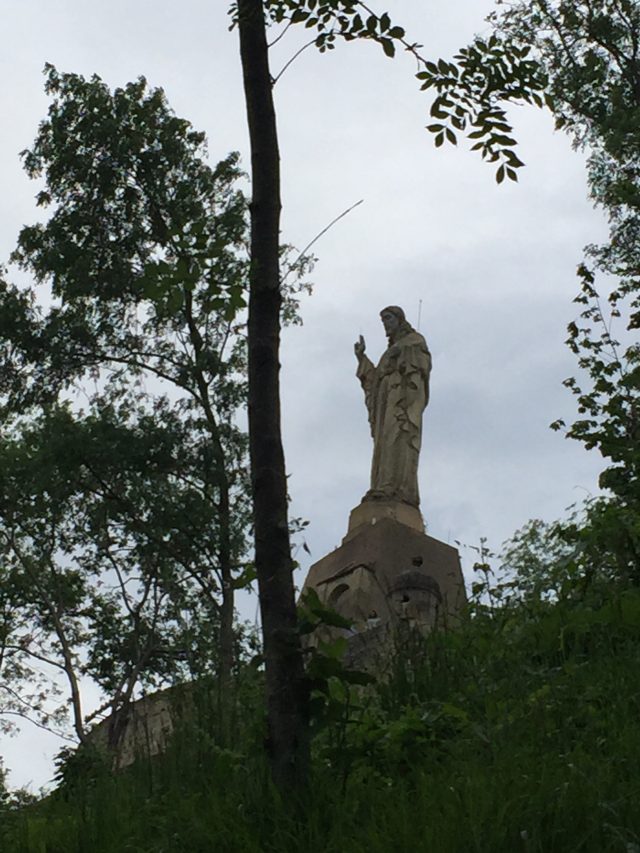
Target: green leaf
(354, 676)
(334, 649)
(389, 47)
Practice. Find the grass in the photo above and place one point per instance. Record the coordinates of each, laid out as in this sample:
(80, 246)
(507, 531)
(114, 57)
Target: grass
(518, 732)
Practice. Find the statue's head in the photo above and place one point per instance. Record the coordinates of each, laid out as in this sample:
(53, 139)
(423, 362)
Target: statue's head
(394, 322)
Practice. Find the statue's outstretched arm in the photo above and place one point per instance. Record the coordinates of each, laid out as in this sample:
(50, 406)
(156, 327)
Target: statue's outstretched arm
(366, 373)
(366, 370)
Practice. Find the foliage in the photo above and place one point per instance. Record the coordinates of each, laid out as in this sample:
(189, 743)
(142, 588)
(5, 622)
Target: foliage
(139, 213)
(588, 50)
(334, 684)
(607, 536)
(516, 731)
(124, 506)
(539, 564)
(108, 552)
(471, 90)
(608, 404)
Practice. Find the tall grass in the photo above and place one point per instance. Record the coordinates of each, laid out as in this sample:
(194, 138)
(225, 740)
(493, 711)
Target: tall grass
(517, 732)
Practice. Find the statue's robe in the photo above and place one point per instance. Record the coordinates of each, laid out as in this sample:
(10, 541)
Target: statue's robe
(396, 394)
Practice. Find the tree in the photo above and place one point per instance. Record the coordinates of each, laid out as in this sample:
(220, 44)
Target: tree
(287, 699)
(589, 53)
(148, 260)
(145, 256)
(109, 556)
(539, 563)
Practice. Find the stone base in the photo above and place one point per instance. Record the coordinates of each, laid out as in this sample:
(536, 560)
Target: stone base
(389, 574)
(369, 513)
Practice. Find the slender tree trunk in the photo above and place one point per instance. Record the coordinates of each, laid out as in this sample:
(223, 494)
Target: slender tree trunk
(226, 644)
(225, 679)
(285, 679)
(70, 671)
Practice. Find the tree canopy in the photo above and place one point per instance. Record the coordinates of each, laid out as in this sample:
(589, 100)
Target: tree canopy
(124, 490)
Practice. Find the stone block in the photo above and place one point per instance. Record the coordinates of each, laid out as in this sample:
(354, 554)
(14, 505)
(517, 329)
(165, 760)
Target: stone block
(370, 513)
(388, 573)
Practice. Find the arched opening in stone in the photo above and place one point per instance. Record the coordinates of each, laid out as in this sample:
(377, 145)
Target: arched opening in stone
(336, 594)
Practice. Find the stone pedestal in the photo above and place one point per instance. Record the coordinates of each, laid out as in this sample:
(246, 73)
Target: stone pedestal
(388, 573)
(370, 513)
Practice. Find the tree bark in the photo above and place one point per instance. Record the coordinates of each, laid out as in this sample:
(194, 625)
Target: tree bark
(226, 644)
(287, 703)
(70, 670)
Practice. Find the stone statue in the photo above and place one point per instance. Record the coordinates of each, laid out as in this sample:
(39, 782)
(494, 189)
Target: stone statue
(396, 394)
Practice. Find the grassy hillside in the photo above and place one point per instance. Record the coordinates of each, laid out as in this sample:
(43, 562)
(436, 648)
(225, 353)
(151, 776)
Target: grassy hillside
(518, 732)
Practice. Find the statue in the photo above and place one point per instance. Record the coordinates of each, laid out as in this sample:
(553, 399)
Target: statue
(388, 578)
(396, 393)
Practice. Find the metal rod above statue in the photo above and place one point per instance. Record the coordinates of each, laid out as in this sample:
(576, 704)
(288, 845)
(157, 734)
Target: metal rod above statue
(396, 394)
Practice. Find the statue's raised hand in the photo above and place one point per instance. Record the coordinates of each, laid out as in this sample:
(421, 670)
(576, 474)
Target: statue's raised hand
(359, 347)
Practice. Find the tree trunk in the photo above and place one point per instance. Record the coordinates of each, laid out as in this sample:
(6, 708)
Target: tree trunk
(285, 679)
(70, 671)
(226, 644)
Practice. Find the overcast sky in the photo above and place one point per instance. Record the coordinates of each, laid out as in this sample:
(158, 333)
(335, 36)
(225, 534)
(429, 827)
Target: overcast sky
(493, 266)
